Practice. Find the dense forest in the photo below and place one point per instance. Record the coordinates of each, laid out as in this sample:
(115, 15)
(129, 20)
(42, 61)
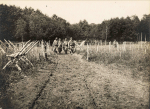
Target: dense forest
(23, 24)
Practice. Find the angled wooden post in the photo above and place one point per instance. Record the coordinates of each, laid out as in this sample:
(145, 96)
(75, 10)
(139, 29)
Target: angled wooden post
(27, 60)
(14, 47)
(4, 46)
(18, 67)
(21, 55)
(9, 46)
(1, 49)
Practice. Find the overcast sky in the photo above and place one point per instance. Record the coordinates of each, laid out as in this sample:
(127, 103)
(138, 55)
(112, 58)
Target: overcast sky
(92, 11)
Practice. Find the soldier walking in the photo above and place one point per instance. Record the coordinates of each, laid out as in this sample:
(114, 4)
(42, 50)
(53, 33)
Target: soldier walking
(65, 45)
(55, 45)
(71, 45)
(59, 45)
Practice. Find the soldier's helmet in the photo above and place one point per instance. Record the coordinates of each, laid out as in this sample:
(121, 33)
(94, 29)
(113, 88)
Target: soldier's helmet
(56, 38)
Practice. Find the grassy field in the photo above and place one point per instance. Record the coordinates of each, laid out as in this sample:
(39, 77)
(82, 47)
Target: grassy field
(134, 56)
(131, 62)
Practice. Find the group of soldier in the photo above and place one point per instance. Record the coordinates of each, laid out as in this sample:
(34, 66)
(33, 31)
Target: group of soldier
(65, 45)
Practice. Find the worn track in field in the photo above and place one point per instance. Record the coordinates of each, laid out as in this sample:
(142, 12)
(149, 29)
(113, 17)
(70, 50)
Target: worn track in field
(55, 63)
(72, 83)
(78, 84)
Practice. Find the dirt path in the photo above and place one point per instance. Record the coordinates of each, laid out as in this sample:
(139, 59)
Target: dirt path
(77, 84)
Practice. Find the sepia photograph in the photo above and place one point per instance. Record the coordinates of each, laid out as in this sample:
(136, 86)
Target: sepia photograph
(77, 54)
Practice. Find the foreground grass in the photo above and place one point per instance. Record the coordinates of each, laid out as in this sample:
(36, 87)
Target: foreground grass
(11, 75)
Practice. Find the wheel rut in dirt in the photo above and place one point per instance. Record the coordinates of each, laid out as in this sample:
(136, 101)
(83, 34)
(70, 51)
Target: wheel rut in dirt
(68, 86)
(39, 94)
(91, 95)
(46, 82)
(83, 73)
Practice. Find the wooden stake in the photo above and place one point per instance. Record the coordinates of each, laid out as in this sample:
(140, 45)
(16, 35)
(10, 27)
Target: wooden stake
(87, 52)
(120, 53)
(124, 46)
(145, 50)
(42, 49)
(101, 42)
(109, 46)
(130, 45)
(47, 45)
(132, 49)
(141, 36)
(97, 47)
(105, 46)
(141, 40)
(117, 46)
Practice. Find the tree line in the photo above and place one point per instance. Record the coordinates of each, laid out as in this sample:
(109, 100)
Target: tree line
(23, 24)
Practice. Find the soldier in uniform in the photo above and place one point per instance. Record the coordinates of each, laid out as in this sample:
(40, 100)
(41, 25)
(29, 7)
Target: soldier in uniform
(65, 45)
(55, 45)
(71, 45)
(59, 46)
(115, 43)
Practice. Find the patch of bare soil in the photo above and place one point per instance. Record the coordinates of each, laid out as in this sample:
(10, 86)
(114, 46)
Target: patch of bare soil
(78, 84)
